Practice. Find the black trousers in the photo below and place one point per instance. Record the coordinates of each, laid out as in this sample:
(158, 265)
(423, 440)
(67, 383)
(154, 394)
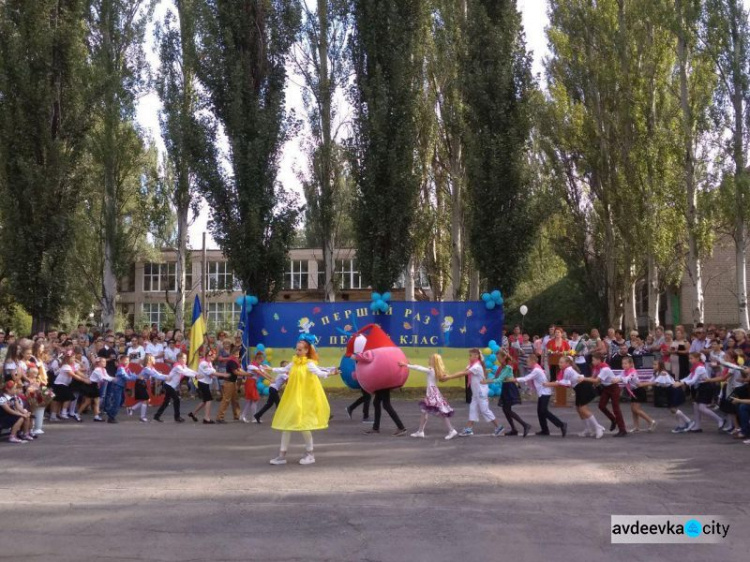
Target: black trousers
(273, 400)
(510, 415)
(542, 410)
(170, 395)
(365, 401)
(383, 399)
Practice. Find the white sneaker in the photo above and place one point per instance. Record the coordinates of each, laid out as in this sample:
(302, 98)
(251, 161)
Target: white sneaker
(599, 432)
(635, 430)
(689, 427)
(451, 434)
(652, 427)
(585, 433)
(309, 458)
(243, 419)
(144, 420)
(64, 417)
(130, 411)
(53, 418)
(418, 434)
(37, 432)
(278, 461)
(746, 441)
(254, 420)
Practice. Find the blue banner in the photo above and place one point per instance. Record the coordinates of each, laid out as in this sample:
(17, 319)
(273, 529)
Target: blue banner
(409, 324)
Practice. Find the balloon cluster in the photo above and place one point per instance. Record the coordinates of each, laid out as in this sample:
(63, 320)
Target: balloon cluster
(493, 299)
(380, 302)
(490, 364)
(263, 384)
(249, 300)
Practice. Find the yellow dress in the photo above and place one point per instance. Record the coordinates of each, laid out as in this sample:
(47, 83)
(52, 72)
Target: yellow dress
(304, 406)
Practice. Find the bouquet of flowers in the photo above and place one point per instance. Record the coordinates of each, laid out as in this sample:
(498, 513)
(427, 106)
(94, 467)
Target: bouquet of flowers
(40, 397)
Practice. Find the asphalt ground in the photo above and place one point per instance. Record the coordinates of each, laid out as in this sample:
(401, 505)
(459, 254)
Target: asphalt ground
(191, 492)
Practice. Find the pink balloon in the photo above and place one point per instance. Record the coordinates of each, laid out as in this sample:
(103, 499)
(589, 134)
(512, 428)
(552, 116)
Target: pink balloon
(378, 369)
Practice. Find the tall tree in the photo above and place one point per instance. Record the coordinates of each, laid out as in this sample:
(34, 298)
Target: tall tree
(727, 37)
(44, 120)
(387, 42)
(116, 30)
(321, 60)
(498, 88)
(696, 86)
(243, 48)
(191, 159)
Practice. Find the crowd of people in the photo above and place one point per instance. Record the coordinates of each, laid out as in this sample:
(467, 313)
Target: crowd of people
(58, 376)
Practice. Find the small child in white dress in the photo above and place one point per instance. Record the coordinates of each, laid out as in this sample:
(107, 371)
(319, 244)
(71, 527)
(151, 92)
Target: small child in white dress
(433, 403)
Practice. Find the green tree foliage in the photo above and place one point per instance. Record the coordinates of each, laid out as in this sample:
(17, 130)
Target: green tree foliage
(45, 114)
(243, 47)
(387, 53)
(498, 88)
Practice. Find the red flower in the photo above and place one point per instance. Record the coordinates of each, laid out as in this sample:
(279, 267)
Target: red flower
(434, 312)
(316, 310)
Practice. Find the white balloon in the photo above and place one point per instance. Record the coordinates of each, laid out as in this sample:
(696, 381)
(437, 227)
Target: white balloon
(524, 310)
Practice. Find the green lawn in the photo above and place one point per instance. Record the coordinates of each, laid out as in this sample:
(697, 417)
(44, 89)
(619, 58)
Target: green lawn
(455, 360)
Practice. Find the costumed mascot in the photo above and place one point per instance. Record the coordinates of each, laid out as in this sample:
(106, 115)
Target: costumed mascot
(378, 370)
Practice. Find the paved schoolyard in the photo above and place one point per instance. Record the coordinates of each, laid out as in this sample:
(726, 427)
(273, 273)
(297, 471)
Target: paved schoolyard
(167, 492)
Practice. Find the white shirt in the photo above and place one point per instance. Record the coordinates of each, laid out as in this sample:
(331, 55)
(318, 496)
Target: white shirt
(664, 379)
(136, 354)
(697, 377)
(64, 375)
(321, 372)
(630, 379)
(476, 377)
(431, 378)
(170, 355)
(580, 359)
(155, 349)
(606, 376)
(100, 374)
(537, 377)
(175, 375)
(205, 370)
(279, 381)
(570, 377)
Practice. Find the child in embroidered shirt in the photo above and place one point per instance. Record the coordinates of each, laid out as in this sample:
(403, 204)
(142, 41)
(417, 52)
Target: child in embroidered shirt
(480, 402)
(638, 396)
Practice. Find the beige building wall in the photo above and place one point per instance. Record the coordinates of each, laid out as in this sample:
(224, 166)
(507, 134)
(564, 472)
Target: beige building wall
(720, 300)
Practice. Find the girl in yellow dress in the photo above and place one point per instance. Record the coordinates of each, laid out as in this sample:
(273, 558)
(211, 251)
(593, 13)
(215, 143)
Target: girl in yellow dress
(304, 406)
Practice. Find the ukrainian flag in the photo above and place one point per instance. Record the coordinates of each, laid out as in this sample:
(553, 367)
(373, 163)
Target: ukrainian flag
(197, 332)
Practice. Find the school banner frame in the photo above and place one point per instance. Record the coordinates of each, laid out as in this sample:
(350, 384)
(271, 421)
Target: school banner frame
(409, 324)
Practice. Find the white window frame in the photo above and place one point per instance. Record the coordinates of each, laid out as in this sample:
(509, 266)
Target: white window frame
(222, 313)
(157, 316)
(347, 273)
(220, 277)
(296, 276)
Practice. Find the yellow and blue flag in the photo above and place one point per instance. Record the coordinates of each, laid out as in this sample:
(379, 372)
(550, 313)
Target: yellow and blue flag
(197, 334)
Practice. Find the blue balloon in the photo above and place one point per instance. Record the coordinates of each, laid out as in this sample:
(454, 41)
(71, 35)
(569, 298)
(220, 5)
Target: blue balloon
(239, 300)
(492, 344)
(384, 306)
(266, 391)
(490, 305)
(260, 347)
(500, 302)
(493, 358)
(496, 295)
(386, 296)
(376, 297)
(253, 300)
(249, 308)
(486, 297)
(347, 366)
(495, 348)
(374, 306)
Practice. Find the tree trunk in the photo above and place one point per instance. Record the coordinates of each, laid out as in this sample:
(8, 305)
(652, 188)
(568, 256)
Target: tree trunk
(474, 284)
(457, 222)
(694, 262)
(180, 273)
(631, 310)
(329, 267)
(653, 293)
(409, 281)
(738, 105)
(109, 279)
(614, 315)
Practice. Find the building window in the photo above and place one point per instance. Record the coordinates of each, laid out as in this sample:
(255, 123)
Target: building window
(220, 277)
(348, 274)
(321, 275)
(163, 276)
(154, 313)
(295, 277)
(223, 315)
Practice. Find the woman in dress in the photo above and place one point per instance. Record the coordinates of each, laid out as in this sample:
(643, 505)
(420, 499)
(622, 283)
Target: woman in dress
(433, 403)
(304, 406)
